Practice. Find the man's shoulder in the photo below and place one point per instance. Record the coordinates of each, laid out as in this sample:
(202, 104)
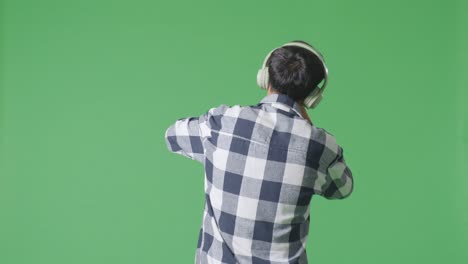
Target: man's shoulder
(330, 142)
(219, 109)
(228, 109)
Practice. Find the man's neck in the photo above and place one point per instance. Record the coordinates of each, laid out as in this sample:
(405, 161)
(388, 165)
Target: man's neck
(301, 104)
(273, 92)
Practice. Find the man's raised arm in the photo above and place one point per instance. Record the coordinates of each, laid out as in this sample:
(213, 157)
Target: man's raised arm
(184, 138)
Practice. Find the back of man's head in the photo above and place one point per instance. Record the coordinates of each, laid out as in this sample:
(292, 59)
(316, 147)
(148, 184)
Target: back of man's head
(294, 71)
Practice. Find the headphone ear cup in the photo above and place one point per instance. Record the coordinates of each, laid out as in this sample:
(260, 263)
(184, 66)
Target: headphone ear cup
(316, 101)
(266, 78)
(262, 78)
(259, 78)
(312, 100)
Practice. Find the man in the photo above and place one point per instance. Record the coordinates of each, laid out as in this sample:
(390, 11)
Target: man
(262, 165)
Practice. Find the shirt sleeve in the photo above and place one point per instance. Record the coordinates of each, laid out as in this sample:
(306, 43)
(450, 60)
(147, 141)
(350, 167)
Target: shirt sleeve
(186, 135)
(339, 177)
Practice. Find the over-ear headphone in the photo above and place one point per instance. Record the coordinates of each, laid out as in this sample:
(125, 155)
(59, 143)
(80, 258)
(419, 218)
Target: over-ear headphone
(313, 99)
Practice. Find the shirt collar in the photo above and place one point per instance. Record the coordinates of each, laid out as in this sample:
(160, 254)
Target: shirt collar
(282, 101)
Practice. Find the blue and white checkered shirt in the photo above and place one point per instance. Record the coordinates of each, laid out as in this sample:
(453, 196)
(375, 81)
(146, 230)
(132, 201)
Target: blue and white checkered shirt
(262, 165)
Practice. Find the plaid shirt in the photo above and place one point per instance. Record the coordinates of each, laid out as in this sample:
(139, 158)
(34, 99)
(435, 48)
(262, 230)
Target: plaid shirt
(262, 165)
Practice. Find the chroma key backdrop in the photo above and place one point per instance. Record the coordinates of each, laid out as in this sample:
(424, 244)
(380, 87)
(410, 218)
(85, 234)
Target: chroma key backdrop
(88, 88)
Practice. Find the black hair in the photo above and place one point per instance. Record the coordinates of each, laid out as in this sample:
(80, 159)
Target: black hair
(294, 71)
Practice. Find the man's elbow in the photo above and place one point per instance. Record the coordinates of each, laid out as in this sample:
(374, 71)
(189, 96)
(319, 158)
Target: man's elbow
(341, 190)
(347, 189)
(338, 195)
(171, 140)
(345, 193)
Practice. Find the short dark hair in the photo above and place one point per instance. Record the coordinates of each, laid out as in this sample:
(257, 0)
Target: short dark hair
(294, 71)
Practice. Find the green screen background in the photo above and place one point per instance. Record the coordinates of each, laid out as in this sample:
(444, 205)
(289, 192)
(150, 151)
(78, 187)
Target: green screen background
(88, 89)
